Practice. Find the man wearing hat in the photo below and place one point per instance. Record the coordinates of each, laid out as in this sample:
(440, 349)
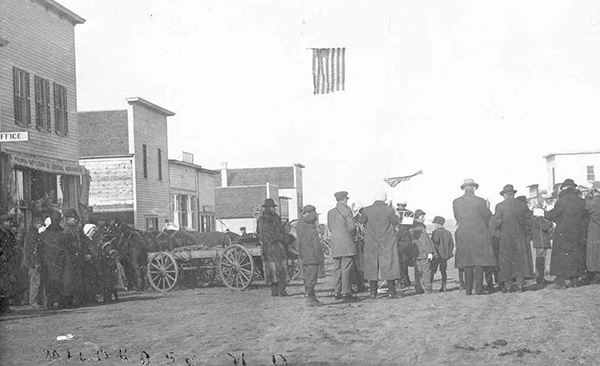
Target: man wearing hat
(273, 248)
(340, 222)
(444, 249)
(9, 263)
(424, 251)
(309, 248)
(403, 240)
(512, 219)
(473, 246)
(567, 261)
(381, 257)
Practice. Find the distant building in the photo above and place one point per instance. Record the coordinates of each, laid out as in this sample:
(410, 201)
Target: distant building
(581, 166)
(192, 194)
(38, 95)
(240, 194)
(126, 152)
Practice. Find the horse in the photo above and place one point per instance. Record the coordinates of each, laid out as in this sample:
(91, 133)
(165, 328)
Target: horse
(133, 251)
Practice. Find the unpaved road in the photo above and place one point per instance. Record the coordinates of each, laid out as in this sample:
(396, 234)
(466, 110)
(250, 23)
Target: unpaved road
(543, 327)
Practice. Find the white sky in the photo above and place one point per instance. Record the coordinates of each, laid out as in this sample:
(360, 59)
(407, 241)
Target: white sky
(458, 89)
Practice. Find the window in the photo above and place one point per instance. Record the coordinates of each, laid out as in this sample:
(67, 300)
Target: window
(590, 173)
(206, 222)
(21, 97)
(145, 161)
(553, 177)
(151, 223)
(194, 212)
(42, 104)
(61, 118)
(159, 165)
(183, 210)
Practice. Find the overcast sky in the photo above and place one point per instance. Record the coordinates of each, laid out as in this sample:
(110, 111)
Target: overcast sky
(458, 89)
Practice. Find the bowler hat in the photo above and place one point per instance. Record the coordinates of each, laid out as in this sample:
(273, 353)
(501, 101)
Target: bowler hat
(269, 203)
(439, 220)
(70, 212)
(55, 216)
(469, 182)
(340, 195)
(568, 183)
(107, 244)
(309, 209)
(419, 213)
(507, 189)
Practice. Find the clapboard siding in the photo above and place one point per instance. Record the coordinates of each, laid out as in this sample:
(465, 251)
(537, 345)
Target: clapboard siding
(152, 195)
(103, 133)
(240, 202)
(43, 44)
(280, 176)
(206, 190)
(111, 186)
(183, 178)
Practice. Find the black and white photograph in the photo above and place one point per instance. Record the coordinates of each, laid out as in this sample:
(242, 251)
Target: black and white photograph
(299, 182)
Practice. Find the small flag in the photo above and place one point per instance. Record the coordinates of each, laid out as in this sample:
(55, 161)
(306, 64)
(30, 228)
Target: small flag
(396, 180)
(329, 70)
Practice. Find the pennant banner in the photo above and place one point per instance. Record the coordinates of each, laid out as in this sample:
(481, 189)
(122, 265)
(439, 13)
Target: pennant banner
(329, 70)
(397, 180)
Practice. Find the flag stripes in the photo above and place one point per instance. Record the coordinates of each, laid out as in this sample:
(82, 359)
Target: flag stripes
(329, 68)
(397, 180)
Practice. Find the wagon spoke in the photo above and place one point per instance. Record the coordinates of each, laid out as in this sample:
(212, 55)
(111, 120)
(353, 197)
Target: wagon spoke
(242, 274)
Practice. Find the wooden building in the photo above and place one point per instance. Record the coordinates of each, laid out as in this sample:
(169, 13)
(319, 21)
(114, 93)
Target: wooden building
(38, 98)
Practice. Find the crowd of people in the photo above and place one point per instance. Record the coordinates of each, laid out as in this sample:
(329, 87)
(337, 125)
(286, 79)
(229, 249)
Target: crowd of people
(492, 250)
(56, 263)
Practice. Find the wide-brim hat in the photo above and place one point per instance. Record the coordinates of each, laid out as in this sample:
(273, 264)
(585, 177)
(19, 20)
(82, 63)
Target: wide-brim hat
(340, 195)
(469, 182)
(70, 212)
(508, 189)
(439, 220)
(568, 183)
(419, 213)
(269, 203)
(108, 243)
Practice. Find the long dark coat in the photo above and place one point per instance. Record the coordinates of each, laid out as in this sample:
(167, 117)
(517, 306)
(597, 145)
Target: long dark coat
(568, 248)
(473, 244)
(593, 235)
(272, 237)
(340, 222)
(512, 218)
(381, 260)
(309, 245)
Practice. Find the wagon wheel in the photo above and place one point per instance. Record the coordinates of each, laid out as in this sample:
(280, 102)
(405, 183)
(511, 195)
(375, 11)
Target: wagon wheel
(163, 271)
(205, 275)
(236, 267)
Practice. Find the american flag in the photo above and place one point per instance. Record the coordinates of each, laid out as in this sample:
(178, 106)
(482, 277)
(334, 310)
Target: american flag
(396, 180)
(329, 69)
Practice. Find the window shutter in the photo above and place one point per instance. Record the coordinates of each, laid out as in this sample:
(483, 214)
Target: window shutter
(65, 113)
(27, 95)
(17, 103)
(47, 106)
(56, 116)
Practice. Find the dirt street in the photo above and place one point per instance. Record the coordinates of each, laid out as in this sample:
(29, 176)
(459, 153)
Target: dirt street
(542, 327)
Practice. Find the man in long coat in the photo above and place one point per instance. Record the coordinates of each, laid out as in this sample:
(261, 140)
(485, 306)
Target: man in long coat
(568, 249)
(273, 249)
(512, 219)
(473, 246)
(310, 250)
(592, 207)
(340, 222)
(381, 256)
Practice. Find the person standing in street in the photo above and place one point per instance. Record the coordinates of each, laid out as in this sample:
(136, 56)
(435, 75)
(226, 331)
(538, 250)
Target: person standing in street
(512, 219)
(567, 262)
(444, 250)
(424, 254)
(541, 230)
(381, 255)
(310, 251)
(592, 207)
(340, 222)
(404, 240)
(273, 250)
(473, 246)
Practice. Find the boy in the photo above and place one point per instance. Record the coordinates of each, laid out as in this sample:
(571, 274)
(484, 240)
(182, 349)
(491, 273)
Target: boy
(108, 274)
(444, 247)
(423, 250)
(309, 248)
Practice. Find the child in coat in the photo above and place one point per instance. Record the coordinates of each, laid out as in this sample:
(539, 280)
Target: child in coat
(444, 249)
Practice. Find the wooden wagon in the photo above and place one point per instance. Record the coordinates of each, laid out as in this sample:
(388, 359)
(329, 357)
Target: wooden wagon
(235, 265)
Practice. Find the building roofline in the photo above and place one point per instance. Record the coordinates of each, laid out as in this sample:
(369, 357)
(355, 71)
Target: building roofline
(572, 153)
(150, 105)
(63, 11)
(103, 111)
(106, 157)
(194, 166)
(252, 186)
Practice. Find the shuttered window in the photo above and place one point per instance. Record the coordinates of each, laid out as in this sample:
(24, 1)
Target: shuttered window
(159, 165)
(42, 104)
(22, 97)
(61, 118)
(145, 160)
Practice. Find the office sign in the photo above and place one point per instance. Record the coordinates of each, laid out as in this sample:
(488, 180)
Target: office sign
(14, 136)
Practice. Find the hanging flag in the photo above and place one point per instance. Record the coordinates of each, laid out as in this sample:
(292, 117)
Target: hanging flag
(396, 180)
(329, 70)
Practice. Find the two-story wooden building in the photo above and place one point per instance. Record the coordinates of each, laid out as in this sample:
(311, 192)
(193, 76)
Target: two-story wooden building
(38, 98)
(126, 153)
(192, 194)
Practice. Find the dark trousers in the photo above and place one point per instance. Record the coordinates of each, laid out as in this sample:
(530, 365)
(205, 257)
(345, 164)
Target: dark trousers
(473, 276)
(311, 274)
(443, 266)
(342, 274)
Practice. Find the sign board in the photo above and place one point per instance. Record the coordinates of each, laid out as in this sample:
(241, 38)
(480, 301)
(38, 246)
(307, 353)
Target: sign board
(14, 136)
